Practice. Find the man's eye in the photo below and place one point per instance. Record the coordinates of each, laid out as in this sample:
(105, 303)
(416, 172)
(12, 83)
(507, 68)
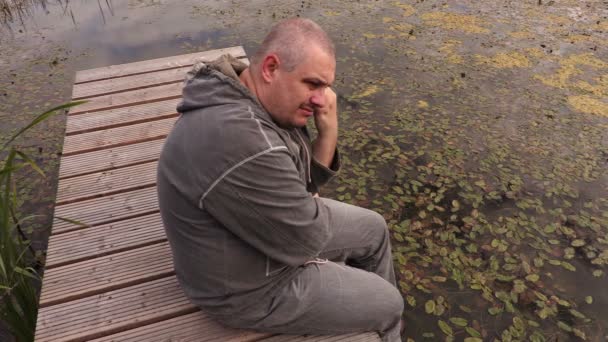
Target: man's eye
(313, 85)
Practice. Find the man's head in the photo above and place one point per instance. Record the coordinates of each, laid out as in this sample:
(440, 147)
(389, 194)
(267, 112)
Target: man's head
(291, 70)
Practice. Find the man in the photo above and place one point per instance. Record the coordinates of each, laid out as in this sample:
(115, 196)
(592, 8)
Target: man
(238, 181)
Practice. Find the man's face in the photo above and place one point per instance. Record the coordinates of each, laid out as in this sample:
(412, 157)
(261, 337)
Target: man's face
(294, 96)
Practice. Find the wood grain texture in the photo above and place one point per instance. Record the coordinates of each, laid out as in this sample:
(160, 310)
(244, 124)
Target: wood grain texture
(121, 136)
(112, 312)
(116, 85)
(150, 65)
(354, 337)
(106, 182)
(192, 327)
(105, 239)
(128, 98)
(103, 210)
(110, 158)
(103, 274)
(123, 116)
(132, 82)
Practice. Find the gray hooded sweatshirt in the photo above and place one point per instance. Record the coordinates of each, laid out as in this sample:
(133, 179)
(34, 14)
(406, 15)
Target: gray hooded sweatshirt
(235, 194)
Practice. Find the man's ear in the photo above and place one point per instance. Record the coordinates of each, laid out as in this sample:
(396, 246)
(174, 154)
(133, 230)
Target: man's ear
(270, 66)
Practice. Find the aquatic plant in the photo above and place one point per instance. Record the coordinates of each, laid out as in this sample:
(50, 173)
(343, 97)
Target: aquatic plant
(19, 279)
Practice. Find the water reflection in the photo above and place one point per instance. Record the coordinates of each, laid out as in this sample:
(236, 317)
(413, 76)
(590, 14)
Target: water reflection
(17, 15)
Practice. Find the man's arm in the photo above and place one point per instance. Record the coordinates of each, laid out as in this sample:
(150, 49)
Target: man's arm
(264, 202)
(326, 121)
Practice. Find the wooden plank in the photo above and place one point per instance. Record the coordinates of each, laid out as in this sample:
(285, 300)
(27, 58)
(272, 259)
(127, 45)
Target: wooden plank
(192, 327)
(106, 239)
(119, 136)
(111, 272)
(139, 81)
(110, 158)
(113, 312)
(116, 85)
(88, 122)
(155, 64)
(132, 97)
(354, 337)
(104, 210)
(139, 96)
(106, 182)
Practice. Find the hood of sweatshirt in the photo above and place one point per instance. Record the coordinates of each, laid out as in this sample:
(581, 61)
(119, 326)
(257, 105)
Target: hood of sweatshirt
(216, 83)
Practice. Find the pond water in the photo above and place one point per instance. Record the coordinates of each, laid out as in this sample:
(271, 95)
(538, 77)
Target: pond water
(478, 129)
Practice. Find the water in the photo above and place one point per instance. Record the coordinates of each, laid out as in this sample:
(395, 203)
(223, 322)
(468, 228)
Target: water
(478, 129)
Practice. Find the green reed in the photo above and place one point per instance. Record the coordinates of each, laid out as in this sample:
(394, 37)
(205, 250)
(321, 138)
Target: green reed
(19, 280)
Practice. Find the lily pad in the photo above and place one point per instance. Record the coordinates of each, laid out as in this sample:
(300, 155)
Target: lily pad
(445, 328)
(461, 322)
(429, 306)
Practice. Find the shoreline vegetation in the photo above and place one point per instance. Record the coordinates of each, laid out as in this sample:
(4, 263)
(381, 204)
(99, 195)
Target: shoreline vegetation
(19, 268)
(12, 10)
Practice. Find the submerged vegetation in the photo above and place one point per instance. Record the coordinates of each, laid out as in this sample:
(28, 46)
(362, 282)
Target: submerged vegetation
(479, 130)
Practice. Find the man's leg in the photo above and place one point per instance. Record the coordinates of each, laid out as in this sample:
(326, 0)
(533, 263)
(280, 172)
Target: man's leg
(329, 298)
(360, 239)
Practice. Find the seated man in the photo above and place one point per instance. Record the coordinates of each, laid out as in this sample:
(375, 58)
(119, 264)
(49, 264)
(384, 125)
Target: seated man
(237, 184)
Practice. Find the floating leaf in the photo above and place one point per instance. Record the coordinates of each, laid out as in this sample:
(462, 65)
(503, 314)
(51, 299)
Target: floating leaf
(398, 237)
(461, 322)
(518, 323)
(494, 311)
(472, 332)
(445, 328)
(577, 314)
(401, 259)
(411, 300)
(532, 277)
(568, 266)
(465, 308)
(429, 306)
(579, 333)
(439, 279)
(519, 286)
(564, 326)
(473, 339)
(578, 243)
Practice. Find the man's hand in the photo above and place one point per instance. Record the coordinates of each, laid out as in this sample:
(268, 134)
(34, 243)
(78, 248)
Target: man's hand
(326, 117)
(326, 121)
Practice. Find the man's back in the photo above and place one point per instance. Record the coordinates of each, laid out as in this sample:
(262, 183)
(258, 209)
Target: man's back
(226, 249)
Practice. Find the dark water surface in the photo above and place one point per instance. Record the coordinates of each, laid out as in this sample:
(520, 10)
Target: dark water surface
(478, 129)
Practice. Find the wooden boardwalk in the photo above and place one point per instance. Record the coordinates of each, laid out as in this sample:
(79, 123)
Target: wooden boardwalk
(113, 279)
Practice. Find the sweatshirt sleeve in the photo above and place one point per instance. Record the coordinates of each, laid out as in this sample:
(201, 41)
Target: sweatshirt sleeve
(321, 174)
(263, 201)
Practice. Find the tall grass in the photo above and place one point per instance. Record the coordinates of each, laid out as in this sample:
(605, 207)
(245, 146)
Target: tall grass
(18, 279)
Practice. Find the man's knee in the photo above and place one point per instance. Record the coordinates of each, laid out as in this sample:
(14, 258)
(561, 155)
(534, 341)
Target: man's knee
(397, 306)
(376, 223)
(388, 307)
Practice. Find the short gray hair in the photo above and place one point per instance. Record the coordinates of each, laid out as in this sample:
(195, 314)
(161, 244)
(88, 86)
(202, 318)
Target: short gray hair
(289, 39)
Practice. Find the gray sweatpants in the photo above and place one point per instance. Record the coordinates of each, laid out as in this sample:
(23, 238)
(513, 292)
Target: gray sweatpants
(354, 292)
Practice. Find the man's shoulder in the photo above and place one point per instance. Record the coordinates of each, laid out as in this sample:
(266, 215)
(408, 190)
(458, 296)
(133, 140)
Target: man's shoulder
(231, 127)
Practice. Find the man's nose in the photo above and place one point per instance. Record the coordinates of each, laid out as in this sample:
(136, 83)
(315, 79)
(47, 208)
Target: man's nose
(318, 98)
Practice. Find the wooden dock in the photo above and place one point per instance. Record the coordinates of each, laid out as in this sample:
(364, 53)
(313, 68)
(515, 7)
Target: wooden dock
(113, 279)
